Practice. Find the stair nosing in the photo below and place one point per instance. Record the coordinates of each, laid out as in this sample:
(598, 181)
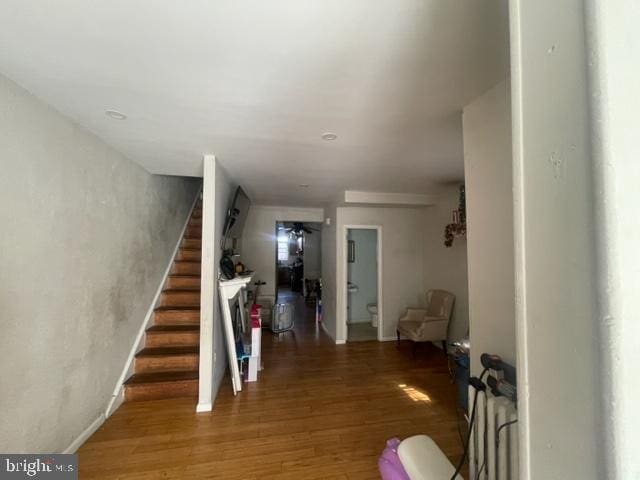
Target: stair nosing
(164, 308)
(147, 378)
(172, 290)
(167, 351)
(178, 328)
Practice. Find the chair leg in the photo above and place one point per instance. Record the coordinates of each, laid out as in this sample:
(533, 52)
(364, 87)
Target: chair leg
(398, 334)
(444, 347)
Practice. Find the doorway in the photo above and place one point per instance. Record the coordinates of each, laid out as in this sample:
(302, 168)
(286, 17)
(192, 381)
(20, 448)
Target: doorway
(298, 261)
(363, 315)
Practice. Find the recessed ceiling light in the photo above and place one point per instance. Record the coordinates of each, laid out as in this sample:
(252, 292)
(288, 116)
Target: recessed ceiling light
(328, 136)
(304, 185)
(115, 115)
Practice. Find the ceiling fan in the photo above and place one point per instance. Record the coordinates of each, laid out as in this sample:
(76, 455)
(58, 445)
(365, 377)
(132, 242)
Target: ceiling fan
(298, 229)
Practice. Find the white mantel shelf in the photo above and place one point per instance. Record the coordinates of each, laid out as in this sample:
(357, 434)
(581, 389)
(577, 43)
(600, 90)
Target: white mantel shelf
(236, 283)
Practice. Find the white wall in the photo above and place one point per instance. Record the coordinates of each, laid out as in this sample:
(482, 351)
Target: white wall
(446, 267)
(556, 320)
(258, 244)
(86, 237)
(614, 58)
(216, 199)
(489, 189)
(414, 260)
(402, 252)
(363, 273)
(225, 188)
(329, 265)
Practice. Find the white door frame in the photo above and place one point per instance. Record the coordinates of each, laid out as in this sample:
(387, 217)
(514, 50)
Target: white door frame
(345, 276)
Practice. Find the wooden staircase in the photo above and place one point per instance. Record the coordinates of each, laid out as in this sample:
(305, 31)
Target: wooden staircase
(168, 364)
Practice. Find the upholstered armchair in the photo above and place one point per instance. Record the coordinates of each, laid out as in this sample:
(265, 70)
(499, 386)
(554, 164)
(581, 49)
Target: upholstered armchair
(428, 324)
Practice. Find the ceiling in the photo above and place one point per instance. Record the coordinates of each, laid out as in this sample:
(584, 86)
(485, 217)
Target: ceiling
(258, 82)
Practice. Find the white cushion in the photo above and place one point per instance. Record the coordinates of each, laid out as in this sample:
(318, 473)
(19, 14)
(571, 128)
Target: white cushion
(423, 460)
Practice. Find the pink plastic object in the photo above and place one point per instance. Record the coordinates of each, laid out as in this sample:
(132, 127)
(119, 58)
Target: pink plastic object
(255, 315)
(389, 463)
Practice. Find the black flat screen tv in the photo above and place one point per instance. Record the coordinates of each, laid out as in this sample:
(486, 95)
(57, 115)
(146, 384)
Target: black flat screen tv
(236, 215)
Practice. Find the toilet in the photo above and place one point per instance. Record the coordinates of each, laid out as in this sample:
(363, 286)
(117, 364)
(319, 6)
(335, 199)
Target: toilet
(372, 308)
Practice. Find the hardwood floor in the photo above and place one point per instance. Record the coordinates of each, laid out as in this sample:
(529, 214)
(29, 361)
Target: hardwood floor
(318, 411)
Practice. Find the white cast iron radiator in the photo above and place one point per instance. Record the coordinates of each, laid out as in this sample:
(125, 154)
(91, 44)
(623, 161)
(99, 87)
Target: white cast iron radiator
(494, 454)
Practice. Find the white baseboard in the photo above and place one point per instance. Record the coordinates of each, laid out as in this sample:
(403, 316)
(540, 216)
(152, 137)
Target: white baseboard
(80, 439)
(116, 400)
(341, 342)
(204, 407)
(324, 329)
(389, 339)
(118, 392)
(359, 320)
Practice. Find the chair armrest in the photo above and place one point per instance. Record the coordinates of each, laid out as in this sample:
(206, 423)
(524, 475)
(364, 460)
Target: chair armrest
(413, 315)
(434, 319)
(433, 330)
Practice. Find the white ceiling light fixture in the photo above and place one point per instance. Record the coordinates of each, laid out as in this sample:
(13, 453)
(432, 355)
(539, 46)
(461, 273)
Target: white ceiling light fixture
(329, 136)
(304, 185)
(115, 115)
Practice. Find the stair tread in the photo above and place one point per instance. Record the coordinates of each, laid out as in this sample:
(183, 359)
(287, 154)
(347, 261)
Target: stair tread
(174, 328)
(162, 377)
(197, 262)
(184, 275)
(167, 351)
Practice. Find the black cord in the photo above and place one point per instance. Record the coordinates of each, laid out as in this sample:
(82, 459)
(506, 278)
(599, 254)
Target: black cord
(471, 420)
(504, 425)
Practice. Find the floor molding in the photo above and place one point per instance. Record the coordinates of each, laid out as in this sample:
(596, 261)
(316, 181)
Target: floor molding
(116, 400)
(359, 320)
(80, 439)
(389, 339)
(325, 330)
(204, 407)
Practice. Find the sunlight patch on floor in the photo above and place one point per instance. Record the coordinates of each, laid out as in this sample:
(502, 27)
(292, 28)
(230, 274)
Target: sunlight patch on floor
(414, 394)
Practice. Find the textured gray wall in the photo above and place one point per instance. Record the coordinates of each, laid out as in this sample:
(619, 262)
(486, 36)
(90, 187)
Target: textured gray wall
(86, 236)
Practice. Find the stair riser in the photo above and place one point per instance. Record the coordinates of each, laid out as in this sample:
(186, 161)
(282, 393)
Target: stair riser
(193, 232)
(191, 243)
(155, 391)
(186, 268)
(190, 255)
(167, 363)
(188, 317)
(183, 282)
(180, 299)
(172, 339)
